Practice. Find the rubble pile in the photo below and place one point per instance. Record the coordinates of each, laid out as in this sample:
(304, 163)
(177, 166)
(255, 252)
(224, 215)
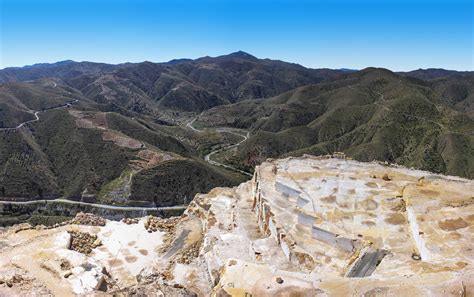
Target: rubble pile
(88, 219)
(130, 221)
(153, 224)
(83, 242)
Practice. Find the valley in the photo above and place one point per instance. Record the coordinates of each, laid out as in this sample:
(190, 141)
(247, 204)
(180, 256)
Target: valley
(153, 135)
(243, 134)
(236, 148)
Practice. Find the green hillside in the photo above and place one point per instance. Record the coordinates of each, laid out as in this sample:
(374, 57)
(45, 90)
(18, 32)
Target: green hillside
(104, 157)
(370, 115)
(140, 134)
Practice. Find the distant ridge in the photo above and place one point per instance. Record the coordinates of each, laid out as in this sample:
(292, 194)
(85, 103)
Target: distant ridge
(347, 70)
(434, 73)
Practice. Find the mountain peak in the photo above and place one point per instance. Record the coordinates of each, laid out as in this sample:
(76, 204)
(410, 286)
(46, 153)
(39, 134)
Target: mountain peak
(242, 55)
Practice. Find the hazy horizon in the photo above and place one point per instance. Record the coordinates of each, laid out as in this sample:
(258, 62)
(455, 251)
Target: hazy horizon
(398, 35)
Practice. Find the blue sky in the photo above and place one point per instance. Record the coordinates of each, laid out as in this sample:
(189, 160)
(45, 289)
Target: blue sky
(396, 34)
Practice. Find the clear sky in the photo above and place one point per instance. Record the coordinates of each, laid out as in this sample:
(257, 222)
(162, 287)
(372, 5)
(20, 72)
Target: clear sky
(396, 34)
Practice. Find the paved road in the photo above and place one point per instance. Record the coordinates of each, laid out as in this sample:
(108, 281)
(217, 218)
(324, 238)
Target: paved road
(36, 114)
(208, 159)
(95, 205)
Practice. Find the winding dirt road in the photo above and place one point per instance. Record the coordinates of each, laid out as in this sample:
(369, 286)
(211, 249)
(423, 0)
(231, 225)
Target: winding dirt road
(36, 114)
(24, 123)
(208, 159)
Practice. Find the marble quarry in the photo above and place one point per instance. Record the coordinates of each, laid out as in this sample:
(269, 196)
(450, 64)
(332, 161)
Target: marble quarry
(307, 226)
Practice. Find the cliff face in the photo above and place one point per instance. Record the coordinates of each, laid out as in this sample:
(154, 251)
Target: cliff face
(302, 226)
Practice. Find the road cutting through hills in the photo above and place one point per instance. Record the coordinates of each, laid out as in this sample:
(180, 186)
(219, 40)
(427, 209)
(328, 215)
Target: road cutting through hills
(36, 114)
(208, 159)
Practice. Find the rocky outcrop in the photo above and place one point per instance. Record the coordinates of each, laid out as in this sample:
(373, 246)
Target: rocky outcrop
(309, 226)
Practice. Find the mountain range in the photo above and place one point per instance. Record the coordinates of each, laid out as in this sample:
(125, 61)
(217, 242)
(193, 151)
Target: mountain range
(121, 134)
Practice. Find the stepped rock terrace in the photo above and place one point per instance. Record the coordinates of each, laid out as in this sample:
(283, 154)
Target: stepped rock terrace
(308, 226)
